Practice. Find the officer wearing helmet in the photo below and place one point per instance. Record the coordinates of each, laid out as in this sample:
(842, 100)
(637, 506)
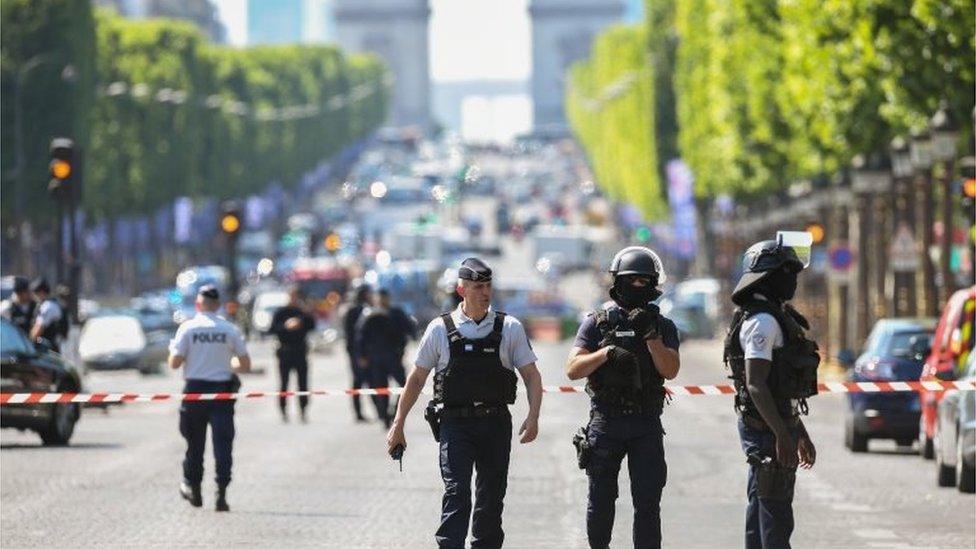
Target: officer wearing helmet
(774, 369)
(626, 350)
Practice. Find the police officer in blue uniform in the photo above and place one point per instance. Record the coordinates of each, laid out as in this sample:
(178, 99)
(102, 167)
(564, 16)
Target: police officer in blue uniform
(626, 350)
(204, 346)
(774, 369)
(475, 353)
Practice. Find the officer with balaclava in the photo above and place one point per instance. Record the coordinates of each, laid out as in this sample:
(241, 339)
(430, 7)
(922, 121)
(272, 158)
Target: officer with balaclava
(774, 369)
(626, 350)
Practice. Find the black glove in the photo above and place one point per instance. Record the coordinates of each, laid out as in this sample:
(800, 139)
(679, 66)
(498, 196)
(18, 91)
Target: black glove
(622, 360)
(645, 321)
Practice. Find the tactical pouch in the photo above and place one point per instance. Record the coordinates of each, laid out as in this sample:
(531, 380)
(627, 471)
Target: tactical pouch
(234, 385)
(433, 417)
(773, 481)
(583, 449)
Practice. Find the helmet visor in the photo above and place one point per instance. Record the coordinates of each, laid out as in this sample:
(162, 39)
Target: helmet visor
(800, 242)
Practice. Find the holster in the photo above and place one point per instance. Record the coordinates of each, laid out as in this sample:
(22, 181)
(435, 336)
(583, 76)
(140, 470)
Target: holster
(433, 417)
(583, 449)
(773, 481)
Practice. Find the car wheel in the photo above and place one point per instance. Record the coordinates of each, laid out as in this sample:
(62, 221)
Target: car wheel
(925, 447)
(854, 440)
(966, 475)
(62, 425)
(946, 475)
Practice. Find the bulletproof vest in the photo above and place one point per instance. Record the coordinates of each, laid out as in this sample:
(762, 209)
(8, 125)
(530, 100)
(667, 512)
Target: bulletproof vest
(23, 318)
(474, 372)
(610, 385)
(793, 374)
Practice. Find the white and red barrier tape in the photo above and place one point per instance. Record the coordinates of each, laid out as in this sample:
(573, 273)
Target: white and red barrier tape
(677, 390)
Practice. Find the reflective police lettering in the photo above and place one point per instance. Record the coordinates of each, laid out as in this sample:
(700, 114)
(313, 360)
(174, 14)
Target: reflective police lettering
(209, 338)
(628, 333)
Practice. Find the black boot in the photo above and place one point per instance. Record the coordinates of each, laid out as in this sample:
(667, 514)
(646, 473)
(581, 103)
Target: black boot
(222, 499)
(191, 493)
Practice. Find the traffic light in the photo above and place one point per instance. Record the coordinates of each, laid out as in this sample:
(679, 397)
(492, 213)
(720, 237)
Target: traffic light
(817, 231)
(230, 218)
(62, 165)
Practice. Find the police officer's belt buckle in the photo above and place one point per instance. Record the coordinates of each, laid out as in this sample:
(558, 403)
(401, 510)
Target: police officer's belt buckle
(475, 411)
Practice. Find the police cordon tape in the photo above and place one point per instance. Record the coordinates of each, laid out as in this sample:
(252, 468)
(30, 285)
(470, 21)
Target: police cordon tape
(676, 390)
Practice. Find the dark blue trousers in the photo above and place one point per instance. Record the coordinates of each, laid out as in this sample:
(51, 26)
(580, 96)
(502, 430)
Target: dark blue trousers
(194, 418)
(482, 444)
(641, 439)
(769, 522)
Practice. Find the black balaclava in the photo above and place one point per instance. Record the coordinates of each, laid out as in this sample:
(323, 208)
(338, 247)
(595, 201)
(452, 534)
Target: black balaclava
(779, 285)
(629, 296)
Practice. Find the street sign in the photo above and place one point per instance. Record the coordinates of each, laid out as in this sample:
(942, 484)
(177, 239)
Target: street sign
(903, 253)
(841, 257)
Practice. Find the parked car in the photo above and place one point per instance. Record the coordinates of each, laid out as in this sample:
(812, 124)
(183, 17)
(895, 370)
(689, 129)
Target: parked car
(25, 368)
(894, 351)
(117, 341)
(950, 348)
(955, 439)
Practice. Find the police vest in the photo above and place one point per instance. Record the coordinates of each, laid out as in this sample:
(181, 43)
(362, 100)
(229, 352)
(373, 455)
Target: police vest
(611, 386)
(793, 374)
(23, 318)
(474, 372)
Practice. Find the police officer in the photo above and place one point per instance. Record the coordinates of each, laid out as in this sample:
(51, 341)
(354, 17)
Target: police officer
(774, 369)
(292, 324)
(47, 324)
(360, 376)
(204, 346)
(21, 307)
(474, 352)
(626, 350)
(381, 336)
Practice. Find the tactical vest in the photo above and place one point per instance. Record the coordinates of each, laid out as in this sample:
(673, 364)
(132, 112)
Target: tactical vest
(23, 318)
(793, 374)
(609, 386)
(474, 372)
(52, 332)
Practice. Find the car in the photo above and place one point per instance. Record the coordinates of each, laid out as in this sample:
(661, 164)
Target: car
(955, 439)
(894, 351)
(119, 340)
(27, 367)
(951, 346)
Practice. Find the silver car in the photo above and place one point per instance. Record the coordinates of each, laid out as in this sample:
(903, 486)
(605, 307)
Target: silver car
(955, 439)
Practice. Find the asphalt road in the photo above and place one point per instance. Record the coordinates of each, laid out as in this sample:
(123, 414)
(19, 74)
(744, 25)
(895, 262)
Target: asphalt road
(328, 483)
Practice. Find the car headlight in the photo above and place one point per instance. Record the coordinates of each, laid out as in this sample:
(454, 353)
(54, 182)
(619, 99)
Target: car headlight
(877, 369)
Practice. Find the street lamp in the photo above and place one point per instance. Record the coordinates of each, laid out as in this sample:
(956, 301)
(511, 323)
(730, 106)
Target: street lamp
(921, 150)
(901, 158)
(944, 135)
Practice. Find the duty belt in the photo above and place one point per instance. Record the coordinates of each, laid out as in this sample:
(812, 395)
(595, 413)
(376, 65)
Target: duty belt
(760, 425)
(622, 411)
(474, 411)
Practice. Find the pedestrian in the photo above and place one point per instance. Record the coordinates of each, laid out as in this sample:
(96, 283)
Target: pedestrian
(47, 323)
(774, 369)
(364, 295)
(626, 349)
(379, 344)
(204, 346)
(292, 324)
(20, 309)
(474, 352)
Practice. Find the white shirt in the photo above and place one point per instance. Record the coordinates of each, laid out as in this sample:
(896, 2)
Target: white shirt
(434, 349)
(207, 342)
(48, 313)
(759, 335)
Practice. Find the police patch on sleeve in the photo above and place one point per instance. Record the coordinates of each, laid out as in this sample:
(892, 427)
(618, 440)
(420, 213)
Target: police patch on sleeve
(759, 340)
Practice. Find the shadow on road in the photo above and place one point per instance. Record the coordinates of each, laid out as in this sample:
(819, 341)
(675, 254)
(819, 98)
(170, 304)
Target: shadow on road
(79, 446)
(297, 514)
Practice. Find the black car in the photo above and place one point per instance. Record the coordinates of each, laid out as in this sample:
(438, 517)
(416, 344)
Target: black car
(894, 351)
(33, 368)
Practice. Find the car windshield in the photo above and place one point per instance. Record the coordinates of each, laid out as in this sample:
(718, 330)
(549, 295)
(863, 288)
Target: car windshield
(111, 334)
(900, 343)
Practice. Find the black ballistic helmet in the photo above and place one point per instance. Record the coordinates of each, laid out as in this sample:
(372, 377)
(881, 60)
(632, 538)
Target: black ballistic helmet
(40, 285)
(21, 284)
(638, 260)
(762, 258)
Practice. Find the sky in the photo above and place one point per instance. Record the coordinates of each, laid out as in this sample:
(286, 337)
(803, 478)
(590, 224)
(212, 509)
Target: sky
(469, 39)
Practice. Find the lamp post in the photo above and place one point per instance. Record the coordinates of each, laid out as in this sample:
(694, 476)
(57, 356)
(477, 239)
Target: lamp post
(921, 155)
(944, 135)
(902, 281)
